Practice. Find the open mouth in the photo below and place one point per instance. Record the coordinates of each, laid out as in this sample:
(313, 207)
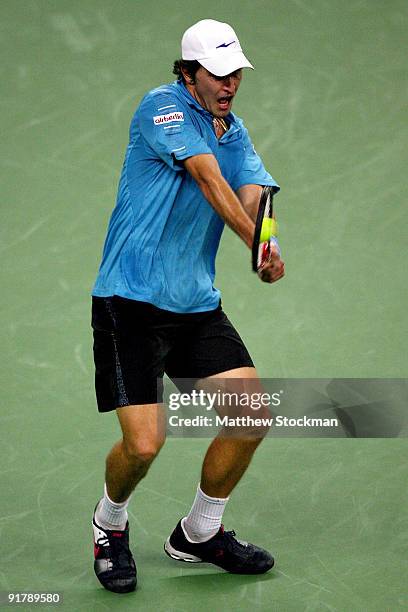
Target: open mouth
(225, 102)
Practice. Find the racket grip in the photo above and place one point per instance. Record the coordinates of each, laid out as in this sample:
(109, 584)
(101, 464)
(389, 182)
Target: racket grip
(265, 250)
(273, 241)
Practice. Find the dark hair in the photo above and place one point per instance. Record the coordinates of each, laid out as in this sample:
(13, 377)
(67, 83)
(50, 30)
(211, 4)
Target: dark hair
(190, 66)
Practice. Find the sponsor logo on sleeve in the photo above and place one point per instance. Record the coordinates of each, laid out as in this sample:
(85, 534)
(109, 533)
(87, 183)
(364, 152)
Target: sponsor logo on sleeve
(176, 116)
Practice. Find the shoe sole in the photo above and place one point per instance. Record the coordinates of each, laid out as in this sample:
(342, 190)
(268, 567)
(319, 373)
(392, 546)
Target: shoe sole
(178, 555)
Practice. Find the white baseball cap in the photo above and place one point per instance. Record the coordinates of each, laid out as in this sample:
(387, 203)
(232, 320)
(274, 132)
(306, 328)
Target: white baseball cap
(215, 46)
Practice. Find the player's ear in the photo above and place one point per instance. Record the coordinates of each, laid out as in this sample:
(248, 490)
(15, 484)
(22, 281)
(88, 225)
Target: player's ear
(188, 78)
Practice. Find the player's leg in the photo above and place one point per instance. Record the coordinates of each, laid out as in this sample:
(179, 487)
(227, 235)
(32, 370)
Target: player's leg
(128, 364)
(228, 455)
(199, 536)
(129, 349)
(143, 429)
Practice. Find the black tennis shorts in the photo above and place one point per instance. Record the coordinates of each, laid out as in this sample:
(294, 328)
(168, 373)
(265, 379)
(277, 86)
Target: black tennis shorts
(135, 343)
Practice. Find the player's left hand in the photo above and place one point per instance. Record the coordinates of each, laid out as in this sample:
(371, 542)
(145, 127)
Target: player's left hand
(272, 267)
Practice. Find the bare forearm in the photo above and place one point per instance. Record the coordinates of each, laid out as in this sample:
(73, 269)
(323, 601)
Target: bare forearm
(206, 172)
(225, 202)
(249, 196)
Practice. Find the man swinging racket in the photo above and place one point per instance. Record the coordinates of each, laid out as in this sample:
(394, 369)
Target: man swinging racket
(189, 168)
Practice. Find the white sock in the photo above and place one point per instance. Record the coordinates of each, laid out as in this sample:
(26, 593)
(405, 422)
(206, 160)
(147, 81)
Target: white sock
(111, 515)
(204, 518)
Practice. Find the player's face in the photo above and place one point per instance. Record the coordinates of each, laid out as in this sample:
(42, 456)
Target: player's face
(215, 94)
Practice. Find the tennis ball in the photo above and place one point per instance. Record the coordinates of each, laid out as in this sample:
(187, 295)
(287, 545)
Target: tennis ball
(269, 228)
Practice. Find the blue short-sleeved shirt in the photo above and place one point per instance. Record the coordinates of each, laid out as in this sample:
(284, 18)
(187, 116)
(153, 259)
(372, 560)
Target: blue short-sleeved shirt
(163, 235)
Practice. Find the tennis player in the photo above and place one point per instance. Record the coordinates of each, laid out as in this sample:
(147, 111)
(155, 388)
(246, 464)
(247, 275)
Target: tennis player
(189, 168)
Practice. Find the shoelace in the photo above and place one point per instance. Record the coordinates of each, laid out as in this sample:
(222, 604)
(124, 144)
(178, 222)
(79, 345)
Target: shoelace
(231, 541)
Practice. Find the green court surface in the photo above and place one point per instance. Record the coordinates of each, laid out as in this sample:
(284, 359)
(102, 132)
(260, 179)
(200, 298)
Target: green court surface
(326, 109)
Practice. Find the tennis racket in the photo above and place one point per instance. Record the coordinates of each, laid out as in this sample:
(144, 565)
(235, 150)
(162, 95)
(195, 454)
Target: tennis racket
(265, 228)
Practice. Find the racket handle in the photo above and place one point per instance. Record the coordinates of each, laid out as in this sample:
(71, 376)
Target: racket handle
(274, 242)
(265, 250)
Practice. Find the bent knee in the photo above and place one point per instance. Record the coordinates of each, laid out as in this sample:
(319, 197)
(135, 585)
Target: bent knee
(142, 451)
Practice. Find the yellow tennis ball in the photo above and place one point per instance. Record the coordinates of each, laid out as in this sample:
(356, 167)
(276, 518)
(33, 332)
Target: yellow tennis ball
(269, 228)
